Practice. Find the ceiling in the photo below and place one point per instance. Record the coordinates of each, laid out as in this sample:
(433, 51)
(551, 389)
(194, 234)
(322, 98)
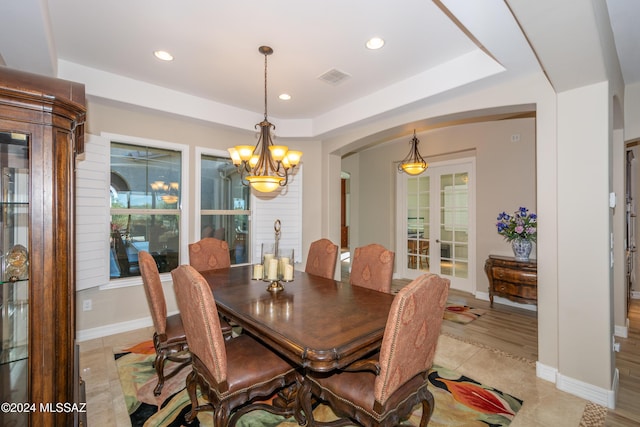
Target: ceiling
(432, 47)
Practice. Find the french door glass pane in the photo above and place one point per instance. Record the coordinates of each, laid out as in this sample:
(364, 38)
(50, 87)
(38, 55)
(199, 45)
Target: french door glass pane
(454, 226)
(418, 212)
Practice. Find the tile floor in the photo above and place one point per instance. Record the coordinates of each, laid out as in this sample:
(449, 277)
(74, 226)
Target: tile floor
(543, 405)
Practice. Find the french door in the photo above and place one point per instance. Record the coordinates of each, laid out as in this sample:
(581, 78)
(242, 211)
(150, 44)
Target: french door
(436, 223)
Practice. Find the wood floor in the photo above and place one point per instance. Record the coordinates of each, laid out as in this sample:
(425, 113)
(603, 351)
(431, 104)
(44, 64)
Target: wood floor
(627, 412)
(515, 331)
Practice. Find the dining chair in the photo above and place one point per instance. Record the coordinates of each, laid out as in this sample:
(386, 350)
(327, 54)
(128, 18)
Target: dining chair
(383, 390)
(235, 376)
(169, 339)
(372, 267)
(321, 259)
(209, 254)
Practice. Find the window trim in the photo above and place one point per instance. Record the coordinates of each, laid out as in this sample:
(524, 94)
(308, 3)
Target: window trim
(183, 209)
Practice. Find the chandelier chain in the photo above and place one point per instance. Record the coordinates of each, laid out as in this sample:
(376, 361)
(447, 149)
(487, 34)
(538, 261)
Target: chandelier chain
(265, 85)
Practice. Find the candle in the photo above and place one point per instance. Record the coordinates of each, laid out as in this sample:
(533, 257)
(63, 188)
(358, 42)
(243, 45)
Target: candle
(258, 271)
(267, 258)
(284, 261)
(288, 272)
(273, 269)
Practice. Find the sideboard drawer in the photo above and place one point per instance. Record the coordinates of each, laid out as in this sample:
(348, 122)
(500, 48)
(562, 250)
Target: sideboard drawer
(515, 289)
(515, 276)
(511, 279)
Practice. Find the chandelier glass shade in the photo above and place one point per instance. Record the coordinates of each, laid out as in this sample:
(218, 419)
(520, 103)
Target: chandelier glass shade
(265, 166)
(413, 164)
(168, 192)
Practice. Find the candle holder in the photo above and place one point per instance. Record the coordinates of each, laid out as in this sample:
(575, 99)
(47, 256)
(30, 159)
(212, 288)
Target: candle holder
(275, 286)
(285, 264)
(277, 264)
(271, 272)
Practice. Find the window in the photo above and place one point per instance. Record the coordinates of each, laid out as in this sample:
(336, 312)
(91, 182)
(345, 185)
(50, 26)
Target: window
(145, 201)
(224, 206)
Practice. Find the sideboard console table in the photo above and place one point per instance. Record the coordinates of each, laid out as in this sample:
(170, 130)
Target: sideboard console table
(511, 279)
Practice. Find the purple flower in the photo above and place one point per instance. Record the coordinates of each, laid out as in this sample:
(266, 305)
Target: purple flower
(520, 225)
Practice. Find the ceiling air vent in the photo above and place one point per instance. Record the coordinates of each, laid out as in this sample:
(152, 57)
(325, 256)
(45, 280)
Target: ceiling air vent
(334, 77)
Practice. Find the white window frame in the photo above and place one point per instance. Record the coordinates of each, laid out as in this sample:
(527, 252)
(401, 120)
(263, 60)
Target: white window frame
(183, 210)
(197, 220)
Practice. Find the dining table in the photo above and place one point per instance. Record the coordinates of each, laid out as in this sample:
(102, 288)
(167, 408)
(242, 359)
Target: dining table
(317, 323)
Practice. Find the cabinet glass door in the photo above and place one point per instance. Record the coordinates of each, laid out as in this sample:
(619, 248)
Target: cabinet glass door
(14, 246)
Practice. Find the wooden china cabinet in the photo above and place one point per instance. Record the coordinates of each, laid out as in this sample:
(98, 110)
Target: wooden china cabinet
(41, 132)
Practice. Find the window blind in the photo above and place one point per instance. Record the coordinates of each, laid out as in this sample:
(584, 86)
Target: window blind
(286, 206)
(92, 214)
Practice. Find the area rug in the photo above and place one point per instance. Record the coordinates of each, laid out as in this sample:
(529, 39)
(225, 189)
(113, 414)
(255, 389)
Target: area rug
(462, 313)
(459, 400)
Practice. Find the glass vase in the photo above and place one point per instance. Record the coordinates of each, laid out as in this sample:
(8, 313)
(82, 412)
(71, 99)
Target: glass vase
(521, 249)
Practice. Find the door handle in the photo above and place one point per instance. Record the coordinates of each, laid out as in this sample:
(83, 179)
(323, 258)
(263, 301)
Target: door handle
(437, 240)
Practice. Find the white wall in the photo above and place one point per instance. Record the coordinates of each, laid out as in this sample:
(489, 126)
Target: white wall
(505, 180)
(584, 132)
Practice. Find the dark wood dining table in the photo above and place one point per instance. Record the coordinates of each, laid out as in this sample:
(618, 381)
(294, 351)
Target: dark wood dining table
(318, 323)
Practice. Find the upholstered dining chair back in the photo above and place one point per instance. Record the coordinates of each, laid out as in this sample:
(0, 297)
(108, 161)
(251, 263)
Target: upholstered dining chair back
(372, 267)
(153, 291)
(200, 320)
(383, 390)
(169, 339)
(209, 254)
(321, 260)
(411, 333)
(235, 376)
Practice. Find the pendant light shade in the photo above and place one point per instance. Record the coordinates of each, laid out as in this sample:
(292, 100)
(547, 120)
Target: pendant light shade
(413, 164)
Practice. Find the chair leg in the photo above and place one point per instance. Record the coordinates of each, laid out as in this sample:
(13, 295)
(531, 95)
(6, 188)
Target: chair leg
(159, 365)
(163, 355)
(427, 409)
(192, 385)
(221, 416)
(304, 405)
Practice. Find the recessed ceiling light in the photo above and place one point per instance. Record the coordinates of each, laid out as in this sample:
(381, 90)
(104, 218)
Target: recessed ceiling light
(163, 55)
(285, 96)
(375, 43)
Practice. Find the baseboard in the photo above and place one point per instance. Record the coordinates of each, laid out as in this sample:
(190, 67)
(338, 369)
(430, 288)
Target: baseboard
(485, 296)
(635, 294)
(112, 329)
(115, 328)
(546, 373)
(580, 388)
(621, 331)
(590, 392)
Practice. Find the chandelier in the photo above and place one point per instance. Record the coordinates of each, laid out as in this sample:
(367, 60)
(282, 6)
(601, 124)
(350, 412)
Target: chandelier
(168, 192)
(266, 167)
(413, 164)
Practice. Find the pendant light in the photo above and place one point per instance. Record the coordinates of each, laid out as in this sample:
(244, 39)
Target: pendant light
(266, 167)
(413, 164)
